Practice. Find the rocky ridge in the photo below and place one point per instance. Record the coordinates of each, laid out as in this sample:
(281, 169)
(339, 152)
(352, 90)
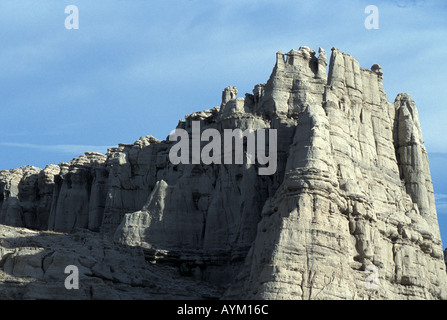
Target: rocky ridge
(352, 192)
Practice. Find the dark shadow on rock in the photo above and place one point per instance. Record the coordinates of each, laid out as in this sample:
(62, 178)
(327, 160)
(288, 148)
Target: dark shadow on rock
(33, 266)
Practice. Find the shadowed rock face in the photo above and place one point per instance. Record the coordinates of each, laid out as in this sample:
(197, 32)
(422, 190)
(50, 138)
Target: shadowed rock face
(352, 193)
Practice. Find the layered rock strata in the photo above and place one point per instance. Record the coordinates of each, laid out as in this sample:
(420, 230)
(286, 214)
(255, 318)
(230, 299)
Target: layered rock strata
(352, 193)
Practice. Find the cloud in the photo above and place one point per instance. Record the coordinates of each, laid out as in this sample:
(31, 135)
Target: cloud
(441, 155)
(407, 3)
(61, 148)
(441, 197)
(441, 203)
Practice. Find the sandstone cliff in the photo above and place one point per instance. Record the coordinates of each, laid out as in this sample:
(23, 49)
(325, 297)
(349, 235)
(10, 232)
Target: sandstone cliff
(352, 192)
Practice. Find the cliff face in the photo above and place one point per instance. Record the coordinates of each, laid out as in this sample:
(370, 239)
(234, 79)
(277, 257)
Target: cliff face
(352, 193)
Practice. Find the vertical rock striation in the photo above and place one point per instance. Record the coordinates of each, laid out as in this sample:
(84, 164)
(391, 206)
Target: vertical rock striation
(352, 193)
(357, 194)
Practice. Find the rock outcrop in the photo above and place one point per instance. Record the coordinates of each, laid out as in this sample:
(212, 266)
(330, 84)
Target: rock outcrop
(33, 266)
(351, 195)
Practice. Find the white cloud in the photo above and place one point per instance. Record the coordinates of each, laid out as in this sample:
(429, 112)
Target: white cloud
(62, 148)
(408, 3)
(441, 203)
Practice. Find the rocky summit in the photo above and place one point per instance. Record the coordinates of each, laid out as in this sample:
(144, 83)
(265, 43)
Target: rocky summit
(348, 214)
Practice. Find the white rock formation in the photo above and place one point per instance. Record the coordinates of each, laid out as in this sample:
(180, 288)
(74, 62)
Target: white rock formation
(352, 193)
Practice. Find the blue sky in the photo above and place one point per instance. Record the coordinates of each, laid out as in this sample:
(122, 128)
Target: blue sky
(135, 67)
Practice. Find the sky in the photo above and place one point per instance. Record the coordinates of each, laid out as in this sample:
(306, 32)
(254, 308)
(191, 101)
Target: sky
(136, 67)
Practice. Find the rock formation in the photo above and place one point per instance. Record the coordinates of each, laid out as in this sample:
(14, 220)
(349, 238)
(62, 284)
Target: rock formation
(352, 193)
